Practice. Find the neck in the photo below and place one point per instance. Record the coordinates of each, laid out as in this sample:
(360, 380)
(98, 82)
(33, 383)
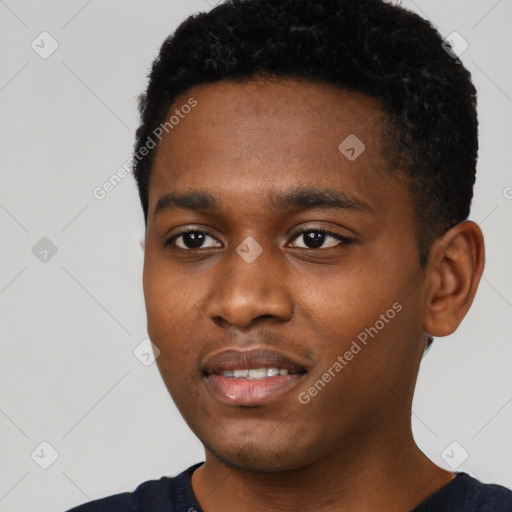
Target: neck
(390, 474)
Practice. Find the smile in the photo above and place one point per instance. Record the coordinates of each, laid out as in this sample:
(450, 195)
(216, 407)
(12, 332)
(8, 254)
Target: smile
(251, 377)
(255, 373)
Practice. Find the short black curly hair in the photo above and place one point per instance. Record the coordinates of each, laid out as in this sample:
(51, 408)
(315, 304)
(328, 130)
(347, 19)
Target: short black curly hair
(368, 46)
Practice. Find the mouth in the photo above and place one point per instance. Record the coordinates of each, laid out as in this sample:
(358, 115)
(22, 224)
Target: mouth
(251, 377)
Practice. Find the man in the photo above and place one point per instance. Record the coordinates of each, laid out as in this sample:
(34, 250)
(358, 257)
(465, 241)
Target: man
(306, 169)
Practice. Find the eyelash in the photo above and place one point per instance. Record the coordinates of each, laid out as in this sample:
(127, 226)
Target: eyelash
(344, 240)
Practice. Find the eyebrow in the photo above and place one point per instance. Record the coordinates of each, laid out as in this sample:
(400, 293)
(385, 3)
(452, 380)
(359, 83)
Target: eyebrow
(295, 199)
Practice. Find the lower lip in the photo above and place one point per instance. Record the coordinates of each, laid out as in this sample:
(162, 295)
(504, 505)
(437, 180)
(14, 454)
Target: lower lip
(234, 391)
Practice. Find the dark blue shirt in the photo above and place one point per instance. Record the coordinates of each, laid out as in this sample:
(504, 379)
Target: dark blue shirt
(462, 494)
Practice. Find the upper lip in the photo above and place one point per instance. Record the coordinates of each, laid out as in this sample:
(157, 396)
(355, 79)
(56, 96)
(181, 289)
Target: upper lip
(236, 359)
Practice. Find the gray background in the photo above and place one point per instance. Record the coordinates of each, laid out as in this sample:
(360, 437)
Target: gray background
(70, 323)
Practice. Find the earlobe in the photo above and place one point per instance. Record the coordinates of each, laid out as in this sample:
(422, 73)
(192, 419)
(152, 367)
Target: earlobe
(455, 266)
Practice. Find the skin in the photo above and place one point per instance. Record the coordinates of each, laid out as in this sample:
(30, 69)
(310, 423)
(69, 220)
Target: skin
(351, 446)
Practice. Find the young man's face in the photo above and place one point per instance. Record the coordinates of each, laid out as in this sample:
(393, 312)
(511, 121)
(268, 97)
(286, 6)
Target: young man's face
(301, 303)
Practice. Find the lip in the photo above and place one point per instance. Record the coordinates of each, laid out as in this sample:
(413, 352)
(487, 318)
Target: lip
(233, 391)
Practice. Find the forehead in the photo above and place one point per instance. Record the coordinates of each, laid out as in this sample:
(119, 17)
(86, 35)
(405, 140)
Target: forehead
(274, 134)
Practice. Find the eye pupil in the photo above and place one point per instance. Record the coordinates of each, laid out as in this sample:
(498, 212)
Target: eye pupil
(316, 238)
(193, 240)
(313, 238)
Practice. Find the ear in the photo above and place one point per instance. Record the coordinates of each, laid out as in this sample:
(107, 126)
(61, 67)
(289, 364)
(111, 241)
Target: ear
(454, 268)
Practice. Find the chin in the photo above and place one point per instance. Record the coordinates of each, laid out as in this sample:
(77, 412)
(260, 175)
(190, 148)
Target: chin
(251, 462)
(262, 456)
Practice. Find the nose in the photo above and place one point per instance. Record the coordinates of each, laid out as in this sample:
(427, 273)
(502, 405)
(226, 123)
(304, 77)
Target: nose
(248, 292)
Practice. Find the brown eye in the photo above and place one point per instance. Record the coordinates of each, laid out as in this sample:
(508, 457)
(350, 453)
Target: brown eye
(315, 239)
(190, 240)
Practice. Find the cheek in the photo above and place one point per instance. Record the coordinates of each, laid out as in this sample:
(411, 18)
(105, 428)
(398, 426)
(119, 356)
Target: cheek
(167, 292)
(171, 305)
(365, 316)
(176, 323)
(343, 304)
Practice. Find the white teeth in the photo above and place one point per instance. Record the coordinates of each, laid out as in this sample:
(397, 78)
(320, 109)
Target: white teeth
(255, 373)
(258, 373)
